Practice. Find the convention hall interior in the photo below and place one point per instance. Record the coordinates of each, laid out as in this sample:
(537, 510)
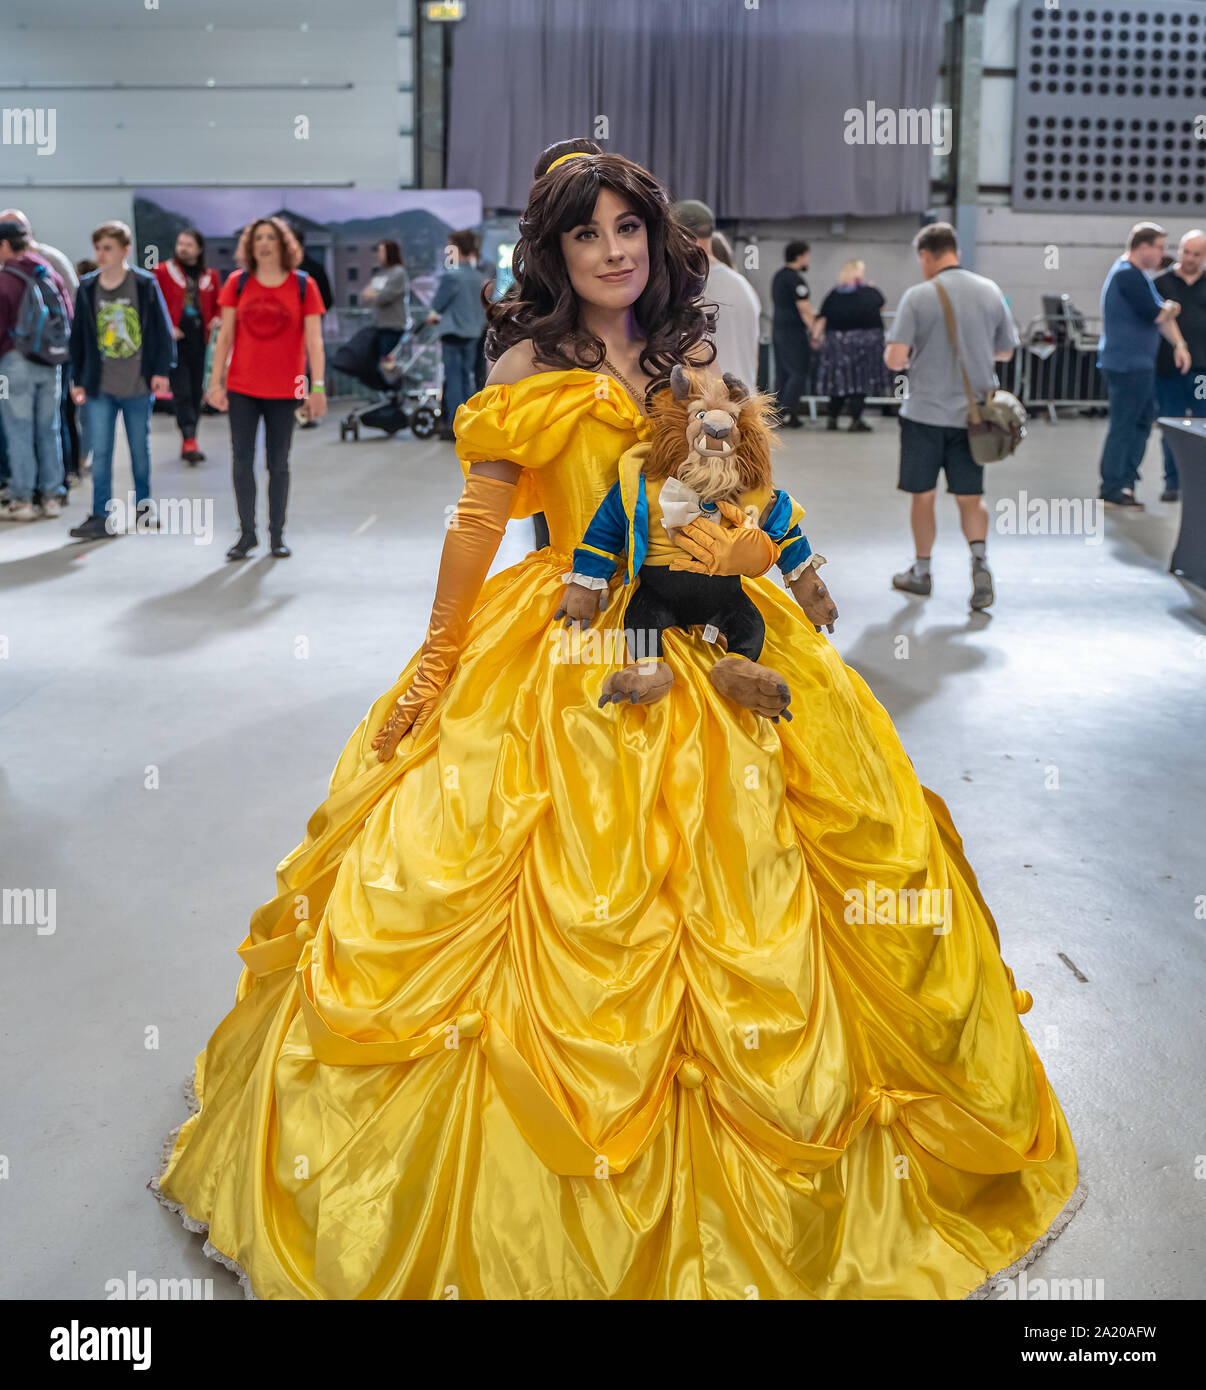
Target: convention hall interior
(175, 692)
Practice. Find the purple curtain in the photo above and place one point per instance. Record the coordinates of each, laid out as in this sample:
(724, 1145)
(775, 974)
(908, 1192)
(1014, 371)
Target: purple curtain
(746, 108)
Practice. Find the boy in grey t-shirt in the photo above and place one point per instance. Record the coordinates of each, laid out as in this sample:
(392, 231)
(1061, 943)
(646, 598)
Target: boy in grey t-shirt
(933, 418)
(122, 349)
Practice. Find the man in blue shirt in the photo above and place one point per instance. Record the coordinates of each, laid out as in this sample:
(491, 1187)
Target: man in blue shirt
(1133, 319)
(458, 309)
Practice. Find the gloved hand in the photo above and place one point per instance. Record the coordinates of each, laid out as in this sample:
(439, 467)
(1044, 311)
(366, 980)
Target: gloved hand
(713, 549)
(470, 545)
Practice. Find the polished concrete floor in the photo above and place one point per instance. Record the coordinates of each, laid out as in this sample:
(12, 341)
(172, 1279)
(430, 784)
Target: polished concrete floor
(169, 721)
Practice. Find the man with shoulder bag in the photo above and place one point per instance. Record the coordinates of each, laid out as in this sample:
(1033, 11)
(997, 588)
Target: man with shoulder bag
(948, 333)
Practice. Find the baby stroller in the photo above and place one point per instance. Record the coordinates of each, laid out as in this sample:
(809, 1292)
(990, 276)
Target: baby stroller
(408, 380)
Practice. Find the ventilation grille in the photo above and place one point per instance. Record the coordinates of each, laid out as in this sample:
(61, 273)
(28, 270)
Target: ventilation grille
(1110, 105)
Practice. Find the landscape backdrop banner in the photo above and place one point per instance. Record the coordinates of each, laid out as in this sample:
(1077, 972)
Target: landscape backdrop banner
(342, 228)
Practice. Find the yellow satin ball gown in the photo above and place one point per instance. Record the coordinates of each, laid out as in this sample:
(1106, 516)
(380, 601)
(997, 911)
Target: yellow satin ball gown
(573, 1003)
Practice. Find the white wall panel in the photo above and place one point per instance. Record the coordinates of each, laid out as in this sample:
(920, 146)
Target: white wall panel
(129, 88)
(137, 137)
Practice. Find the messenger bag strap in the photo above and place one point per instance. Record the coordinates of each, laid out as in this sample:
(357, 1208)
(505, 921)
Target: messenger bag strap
(948, 313)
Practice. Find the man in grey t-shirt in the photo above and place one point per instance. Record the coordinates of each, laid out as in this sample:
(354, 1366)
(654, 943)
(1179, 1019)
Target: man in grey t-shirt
(933, 418)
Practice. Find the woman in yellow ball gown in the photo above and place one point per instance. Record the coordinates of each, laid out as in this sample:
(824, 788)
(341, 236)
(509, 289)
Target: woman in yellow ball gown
(563, 1002)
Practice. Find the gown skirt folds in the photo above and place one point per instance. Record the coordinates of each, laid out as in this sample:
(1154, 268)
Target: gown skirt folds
(572, 1003)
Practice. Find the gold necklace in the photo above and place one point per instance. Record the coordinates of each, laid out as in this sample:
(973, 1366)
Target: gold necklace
(627, 385)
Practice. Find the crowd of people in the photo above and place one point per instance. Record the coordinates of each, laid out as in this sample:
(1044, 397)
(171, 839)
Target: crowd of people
(116, 336)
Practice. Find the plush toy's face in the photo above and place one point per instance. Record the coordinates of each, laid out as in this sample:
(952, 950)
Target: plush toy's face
(713, 442)
(712, 427)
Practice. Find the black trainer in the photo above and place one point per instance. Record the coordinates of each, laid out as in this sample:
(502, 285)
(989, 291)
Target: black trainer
(1171, 494)
(280, 551)
(1125, 499)
(242, 548)
(92, 528)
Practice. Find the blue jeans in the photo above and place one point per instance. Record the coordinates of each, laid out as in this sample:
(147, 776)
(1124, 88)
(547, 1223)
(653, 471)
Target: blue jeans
(1175, 396)
(1132, 410)
(460, 354)
(135, 411)
(31, 428)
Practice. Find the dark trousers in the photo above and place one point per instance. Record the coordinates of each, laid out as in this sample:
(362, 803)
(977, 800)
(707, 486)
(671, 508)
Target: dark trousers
(792, 354)
(245, 415)
(481, 368)
(1132, 409)
(854, 404)
(187, 376)
(677, 598)
(70, 428)
(459, 357)
(1176, 396)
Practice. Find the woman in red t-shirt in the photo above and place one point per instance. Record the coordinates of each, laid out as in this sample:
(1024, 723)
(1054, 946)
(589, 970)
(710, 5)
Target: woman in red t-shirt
(271, 315)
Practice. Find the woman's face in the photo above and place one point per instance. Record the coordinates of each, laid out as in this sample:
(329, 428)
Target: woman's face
(266, 245)
(608, 257)
(381, 261)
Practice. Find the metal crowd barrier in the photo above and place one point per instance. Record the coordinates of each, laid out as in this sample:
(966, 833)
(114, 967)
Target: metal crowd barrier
(1055, 368)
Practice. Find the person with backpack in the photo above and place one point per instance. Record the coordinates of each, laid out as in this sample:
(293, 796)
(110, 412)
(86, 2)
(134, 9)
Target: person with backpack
(57, 261)
(35, 328)
(122, 352)
(271, 322)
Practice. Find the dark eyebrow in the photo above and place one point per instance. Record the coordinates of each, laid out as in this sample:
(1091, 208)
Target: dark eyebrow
(619, 217)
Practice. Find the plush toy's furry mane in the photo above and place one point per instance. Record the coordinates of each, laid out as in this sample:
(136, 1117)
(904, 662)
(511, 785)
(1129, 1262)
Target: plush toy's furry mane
(668, 418)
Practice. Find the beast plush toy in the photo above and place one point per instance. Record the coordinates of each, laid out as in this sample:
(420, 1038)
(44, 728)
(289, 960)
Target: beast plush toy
(708, 458)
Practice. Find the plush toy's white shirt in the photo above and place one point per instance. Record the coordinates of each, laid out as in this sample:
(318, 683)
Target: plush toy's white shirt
(680, 504)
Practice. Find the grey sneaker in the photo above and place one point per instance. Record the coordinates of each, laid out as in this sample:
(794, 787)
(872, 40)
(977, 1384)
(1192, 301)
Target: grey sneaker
(19, 511)
(913, 583)
(982, 594)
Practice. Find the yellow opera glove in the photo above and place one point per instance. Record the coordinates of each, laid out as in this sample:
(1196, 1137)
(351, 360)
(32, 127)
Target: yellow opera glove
(714, 549)
(470, 545)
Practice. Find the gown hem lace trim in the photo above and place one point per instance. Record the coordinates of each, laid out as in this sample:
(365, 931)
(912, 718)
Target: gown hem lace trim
(983, 1291)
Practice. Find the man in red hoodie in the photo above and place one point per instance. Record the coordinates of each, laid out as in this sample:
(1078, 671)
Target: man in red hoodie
(190, 291)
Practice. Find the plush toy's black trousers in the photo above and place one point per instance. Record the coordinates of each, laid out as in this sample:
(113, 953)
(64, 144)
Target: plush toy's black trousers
(677, 598)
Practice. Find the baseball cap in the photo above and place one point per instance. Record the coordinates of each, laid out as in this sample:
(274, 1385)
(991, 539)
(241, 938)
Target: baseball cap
(697, 217)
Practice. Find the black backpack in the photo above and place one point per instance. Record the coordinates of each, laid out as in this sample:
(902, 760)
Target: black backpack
(302, 279)
(42, 331)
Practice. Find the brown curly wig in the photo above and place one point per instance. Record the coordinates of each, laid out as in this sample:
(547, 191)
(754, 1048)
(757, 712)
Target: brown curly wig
(755, 416)
(541, 304)
(291, 252)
